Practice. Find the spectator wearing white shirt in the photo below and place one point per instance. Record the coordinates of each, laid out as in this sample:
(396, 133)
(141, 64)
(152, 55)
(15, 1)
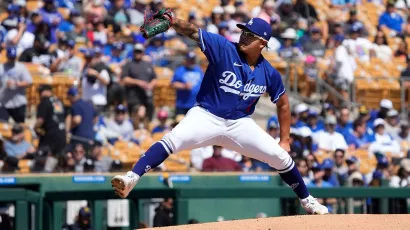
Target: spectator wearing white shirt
(392, 125)
(216, 18)
(357, 46)
(381, 47)
(383, 142)
(402, 179)
(330, 140)
(344, 66)
(17, 34)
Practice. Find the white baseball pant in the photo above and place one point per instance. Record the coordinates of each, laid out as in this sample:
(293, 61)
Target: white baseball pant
(201, 128)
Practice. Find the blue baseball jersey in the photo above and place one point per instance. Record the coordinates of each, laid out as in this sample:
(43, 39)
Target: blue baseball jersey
(186, 98)
(230, 89)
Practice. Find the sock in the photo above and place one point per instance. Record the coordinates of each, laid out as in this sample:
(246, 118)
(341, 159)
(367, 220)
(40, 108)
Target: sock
(153, 157)
(295, 181)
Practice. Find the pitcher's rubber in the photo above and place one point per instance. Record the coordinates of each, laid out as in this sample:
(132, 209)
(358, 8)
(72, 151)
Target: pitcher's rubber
(314, 222)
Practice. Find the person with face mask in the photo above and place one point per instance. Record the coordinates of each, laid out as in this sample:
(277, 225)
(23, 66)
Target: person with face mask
(14, 78)
(187, 81)
(50, 124)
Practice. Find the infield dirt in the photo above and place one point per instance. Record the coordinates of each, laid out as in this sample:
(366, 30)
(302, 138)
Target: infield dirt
(328, 222)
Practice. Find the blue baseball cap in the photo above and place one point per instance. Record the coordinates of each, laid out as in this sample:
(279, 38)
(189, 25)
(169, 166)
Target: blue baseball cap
(72, 91)
(13, 8)
(352, 159)
(191, 55)
(84, 212)
(327, 164)
(382, 160)
(121, 108)
(317, 166)
(118, 45)
(223, 25)
(259, 27)
(71, 43)
(11, 52)
(377, 174)
(355, 28)
(88, 52)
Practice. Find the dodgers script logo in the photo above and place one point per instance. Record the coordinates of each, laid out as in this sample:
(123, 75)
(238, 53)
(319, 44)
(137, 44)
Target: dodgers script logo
(250, 90)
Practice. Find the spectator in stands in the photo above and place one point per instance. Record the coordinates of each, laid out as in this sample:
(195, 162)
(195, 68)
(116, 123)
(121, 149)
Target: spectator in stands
(383, 142)
(81, 118)
(340, 168)
(50, 124)
(79, 33)
(406, 74)
(139, 79)
(401, 180)
(118, 15)
(157, 52)
(52, 17)
(381, 169)
(95, 11)
(344, 66)
(216, 18)
(403, 135)
(344, 126)
(314, 45)
(95, 79)
(330, 140)
(218, 163)
(117, 56)
(318, 174)
(392, 124)
(78, 158)
(17, 146)
(17, 34)
(120, 127)
(306, 140)
(359, 138)
(273, 129)
(136, 13)
(67, 27)
(355, 180)
(302, 112)
(223, 30)
(187, 81)
(101, 163)
(268, 10)
(10, 165)
(359, 47)
(14, 78)
(391, 20)
(302, 166)
(162, 127)
(39, 53)
(289, 50)
(314, 123)
(69, 63)
(385, 106)
(288, 16)
(354, 21)
(163, 213)
(330, 176)
(381, 47)
(401, 51)
(305, 10)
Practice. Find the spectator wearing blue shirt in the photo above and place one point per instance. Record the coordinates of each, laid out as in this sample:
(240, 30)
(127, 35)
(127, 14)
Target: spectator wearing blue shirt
(391, 19)
(273, 129)
(81, 118)
(17, 146)
(364, 115)
(187, 81)
(359, 139)
(344, 125)
(67, 26)
(52, 17)
(330, 176)
(33, 21)
(318, 174)
(381, 171)
(302, 111)
(289, 50)
(162, 127)
(157, 52)
(117, 56)
(308, 146)
(314, 123)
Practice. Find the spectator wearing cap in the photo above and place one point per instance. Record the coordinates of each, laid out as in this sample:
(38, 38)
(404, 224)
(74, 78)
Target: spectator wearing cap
(95, 11)
(81, 118)
(354, 20)
(306, 140)
(330, 176)
(157, 52)
(70, 4)
(359, 47)
(381, 170)
(139, 78)
(17, 147)
(314, 45)
(302, 112)
(356, 180)
(359, 138)
(273, 129)
(344, 126)
(67, 26)
(52, 17)
(223, 30)
(286, 13)
(216, 18)
(381, 47)
(352, 165)
(101, 163)
(340, 169)
(267, 11)
(385, 106)
(17, 34)
(83, 220)
(318, 174)
(162, 127)
(69, 63)
(120, 127)
(117, 54)
(14, 78)
(50, 124)
(391, 20)
(95, 79)
(384, 142)
(289, 50)
(314, 123)
(305, 10)
(330, 140)
(187, 81)
(343, 67)
(40, 53)
(392, 124)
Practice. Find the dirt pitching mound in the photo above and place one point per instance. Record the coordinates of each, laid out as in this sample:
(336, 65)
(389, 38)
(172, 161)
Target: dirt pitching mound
(328, 222)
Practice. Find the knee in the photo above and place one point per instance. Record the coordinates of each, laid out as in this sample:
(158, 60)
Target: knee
(171, 142)
(282, 162)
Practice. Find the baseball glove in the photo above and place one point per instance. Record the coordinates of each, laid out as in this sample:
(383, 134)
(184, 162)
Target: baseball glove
(156, 23)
